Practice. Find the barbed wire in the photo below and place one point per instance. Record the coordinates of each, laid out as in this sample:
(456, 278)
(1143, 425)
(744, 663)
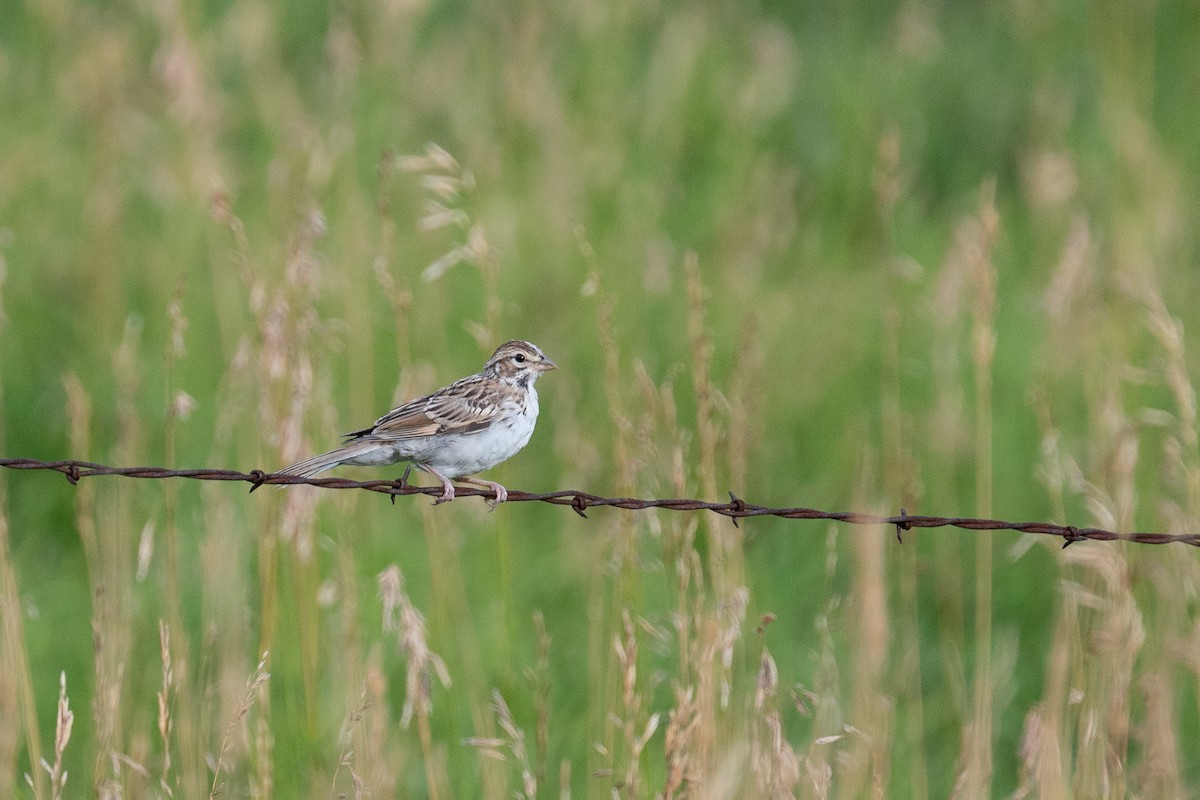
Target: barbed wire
(580, 502)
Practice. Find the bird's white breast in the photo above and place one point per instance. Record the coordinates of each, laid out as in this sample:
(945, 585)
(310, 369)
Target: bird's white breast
(456, 455)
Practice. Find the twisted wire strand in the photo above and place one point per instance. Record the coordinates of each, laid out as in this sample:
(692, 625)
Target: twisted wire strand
(579, 501)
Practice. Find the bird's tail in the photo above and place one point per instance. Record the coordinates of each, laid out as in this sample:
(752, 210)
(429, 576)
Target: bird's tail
(318, 464)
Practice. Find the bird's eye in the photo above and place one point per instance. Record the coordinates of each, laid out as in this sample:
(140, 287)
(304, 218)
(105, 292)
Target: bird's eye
(519, 358)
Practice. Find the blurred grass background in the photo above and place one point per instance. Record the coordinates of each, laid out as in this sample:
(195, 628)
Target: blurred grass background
(933, 255)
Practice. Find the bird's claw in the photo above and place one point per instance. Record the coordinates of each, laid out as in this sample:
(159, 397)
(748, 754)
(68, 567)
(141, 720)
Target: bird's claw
(501, 496)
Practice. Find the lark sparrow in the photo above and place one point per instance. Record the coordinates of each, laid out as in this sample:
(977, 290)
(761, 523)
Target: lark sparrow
(469, 426)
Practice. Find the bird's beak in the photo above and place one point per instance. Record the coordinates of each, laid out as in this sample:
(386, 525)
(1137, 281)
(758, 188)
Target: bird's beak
(547, 365)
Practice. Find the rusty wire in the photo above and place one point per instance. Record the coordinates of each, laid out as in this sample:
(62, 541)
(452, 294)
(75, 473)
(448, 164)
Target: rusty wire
(580, 501)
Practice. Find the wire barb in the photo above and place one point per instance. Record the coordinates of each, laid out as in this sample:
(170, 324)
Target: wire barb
(1071, 535)
(401, 484)
(902, 525)
(737, 508)
(580, 502)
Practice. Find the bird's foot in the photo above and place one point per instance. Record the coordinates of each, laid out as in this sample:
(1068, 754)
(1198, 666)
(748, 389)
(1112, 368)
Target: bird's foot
(447, 487)
(501, 492)
(447, 493)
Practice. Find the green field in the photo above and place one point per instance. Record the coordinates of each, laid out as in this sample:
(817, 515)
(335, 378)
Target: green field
(864, 256)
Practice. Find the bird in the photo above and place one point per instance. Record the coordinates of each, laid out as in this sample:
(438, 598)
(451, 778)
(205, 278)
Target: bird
(462, 429)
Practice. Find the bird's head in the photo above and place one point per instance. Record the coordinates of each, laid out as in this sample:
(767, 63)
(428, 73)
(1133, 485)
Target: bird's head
(518, 362)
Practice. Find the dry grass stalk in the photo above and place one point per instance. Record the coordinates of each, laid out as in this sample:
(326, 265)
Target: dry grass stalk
(401, 617)
(864, 769)
(725, 562)
(828, 727)
(1168, 332)
(341, 592)
(730, 616)
(193, 103)
(1114, 635)
(745, 402)
(1111, 622)
(624, 463)
(900, 474)
(63, 722)
(564, 780)
(1077, 739)
(515, 739)
(400, 297)
(541, 682)
(701, 362)
(718, 630)
(973, 248)
(776, 767)
(254, 684)
(493, 747)
(107, 571)
(613, 580)
(1075, 273)
(225, 595)
(1157, 772)
(188, 735)
(287, 323)
(79, 415)
(262, 782)
(1047, 754)
(635, 732)
(681, 770)
(16, 684)
(1045, 747)
(450, 186)
(346, 757)
(275, 374)
(166, 698)
(383, 762)
(450, 604)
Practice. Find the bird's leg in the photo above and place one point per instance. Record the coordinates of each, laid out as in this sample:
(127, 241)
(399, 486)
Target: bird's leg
(501, 492)
(447, 487)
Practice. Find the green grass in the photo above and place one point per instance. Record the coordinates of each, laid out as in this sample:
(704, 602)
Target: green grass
(754, 238)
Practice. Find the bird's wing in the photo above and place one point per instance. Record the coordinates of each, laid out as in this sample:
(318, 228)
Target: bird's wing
(466, 406)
